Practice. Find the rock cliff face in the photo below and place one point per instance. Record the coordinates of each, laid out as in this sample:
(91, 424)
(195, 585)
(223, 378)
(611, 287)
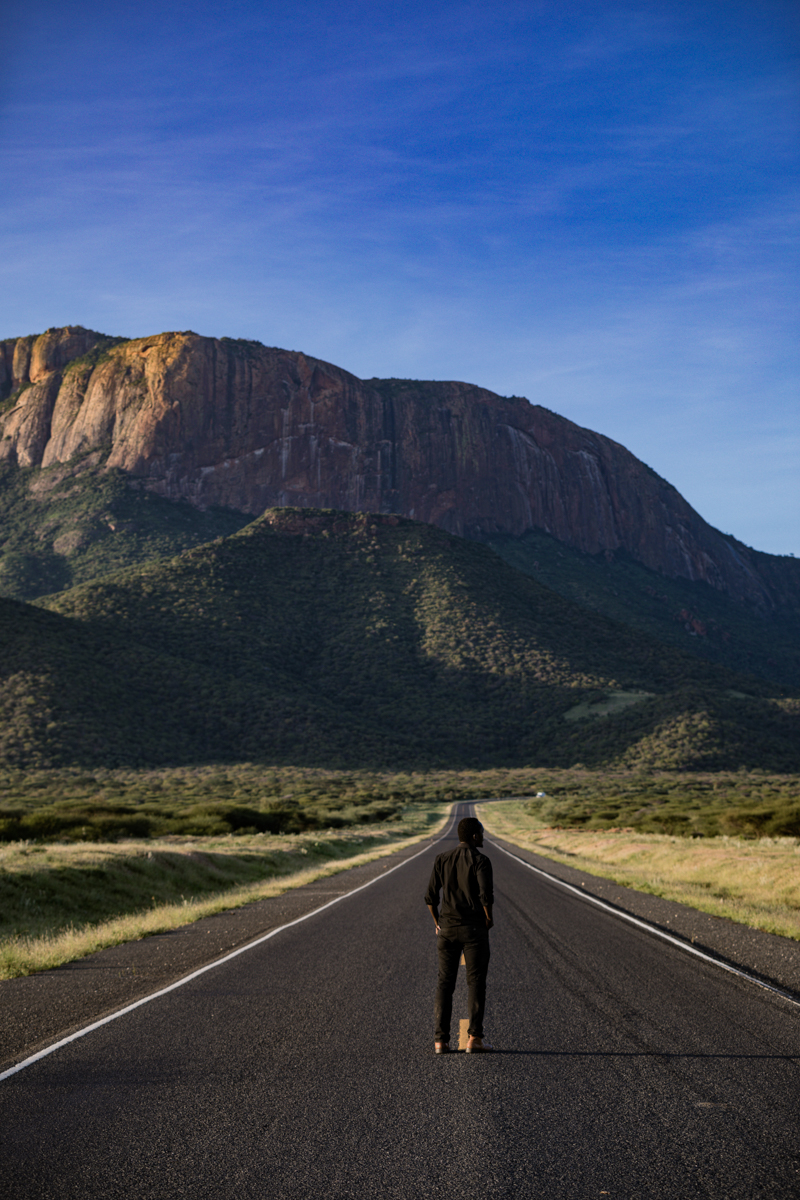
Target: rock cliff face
(234, 423)
(32, 359)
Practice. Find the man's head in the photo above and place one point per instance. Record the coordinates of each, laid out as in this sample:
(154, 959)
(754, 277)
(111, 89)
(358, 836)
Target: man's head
(470, 831)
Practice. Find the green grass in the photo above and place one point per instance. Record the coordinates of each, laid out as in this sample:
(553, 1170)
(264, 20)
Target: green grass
(744, 804)
(77, 805)
(100, 353)
(211, 802)
(61, 901)
(47, 887)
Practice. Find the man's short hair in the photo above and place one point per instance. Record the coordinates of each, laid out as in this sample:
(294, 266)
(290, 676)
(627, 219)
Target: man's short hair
(468, 827)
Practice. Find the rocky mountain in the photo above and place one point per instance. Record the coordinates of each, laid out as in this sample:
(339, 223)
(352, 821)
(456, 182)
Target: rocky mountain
(219, 422)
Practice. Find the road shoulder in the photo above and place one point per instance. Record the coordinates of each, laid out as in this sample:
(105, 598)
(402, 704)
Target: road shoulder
(40, 1009)
(774, 959)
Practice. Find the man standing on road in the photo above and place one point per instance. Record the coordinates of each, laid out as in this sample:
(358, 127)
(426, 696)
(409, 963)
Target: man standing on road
(464, 877)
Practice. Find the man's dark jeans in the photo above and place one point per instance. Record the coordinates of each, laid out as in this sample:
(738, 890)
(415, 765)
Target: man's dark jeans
(473, 941)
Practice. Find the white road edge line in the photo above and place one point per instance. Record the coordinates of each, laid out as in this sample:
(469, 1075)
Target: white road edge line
(667, 937)
(73, 1037)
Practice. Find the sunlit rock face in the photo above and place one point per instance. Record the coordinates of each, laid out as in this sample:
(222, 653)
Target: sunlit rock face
(235, 423)
(32, 359)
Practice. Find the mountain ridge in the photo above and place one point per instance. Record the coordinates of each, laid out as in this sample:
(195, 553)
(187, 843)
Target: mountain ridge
(238, 425)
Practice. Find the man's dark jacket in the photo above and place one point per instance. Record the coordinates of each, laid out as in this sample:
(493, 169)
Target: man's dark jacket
(464, 877)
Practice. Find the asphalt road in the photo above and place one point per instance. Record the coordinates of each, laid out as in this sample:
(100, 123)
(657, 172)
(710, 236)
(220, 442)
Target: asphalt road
(305, 1067)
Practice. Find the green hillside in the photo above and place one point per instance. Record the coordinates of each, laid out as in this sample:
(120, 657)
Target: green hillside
(350, 640)
(693, 617)
(67, 525)
(64, 526)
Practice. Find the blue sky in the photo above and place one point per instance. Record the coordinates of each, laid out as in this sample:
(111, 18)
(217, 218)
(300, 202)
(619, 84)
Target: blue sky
(594, 205)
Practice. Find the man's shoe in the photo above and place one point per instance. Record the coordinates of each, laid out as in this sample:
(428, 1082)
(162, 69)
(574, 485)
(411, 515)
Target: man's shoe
(441, 1047)
(477, 1045)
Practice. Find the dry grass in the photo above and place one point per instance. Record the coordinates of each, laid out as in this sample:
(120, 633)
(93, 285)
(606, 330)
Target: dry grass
(288, 862)
(754, 882)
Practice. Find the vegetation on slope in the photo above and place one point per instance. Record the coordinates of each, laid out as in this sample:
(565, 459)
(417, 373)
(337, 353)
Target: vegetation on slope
(349, 640)
(63, 526)
(693, 617)
(72, 524)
